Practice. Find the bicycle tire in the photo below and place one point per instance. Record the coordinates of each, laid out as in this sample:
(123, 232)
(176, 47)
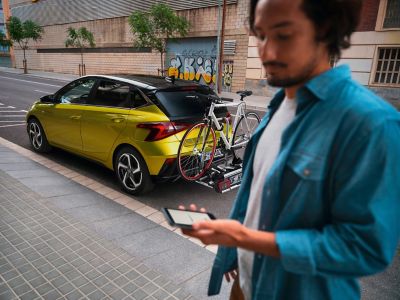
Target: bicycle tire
(195, 144)
(243, 132)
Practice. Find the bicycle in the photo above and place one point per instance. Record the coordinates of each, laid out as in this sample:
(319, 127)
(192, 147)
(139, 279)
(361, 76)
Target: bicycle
(198, 146)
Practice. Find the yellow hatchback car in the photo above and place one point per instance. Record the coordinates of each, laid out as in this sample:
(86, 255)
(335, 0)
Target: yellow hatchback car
(131, 124)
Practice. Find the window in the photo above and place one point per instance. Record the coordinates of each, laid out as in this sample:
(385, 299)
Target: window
(388, 66)
(392, 14)
(111, 93)
(76, 92)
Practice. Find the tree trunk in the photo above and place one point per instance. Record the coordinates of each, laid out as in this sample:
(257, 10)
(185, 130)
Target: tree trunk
(24, 63)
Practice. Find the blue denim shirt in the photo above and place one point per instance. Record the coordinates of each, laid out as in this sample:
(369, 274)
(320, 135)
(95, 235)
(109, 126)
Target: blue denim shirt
(332, 196)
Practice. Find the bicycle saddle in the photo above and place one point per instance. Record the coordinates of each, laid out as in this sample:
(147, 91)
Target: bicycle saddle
(244, 93)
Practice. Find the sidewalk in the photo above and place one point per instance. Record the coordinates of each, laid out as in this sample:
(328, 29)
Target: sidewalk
(253, 102)
(60, 239)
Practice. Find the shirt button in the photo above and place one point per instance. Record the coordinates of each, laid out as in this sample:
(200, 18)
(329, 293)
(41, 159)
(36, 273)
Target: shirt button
(306, 172)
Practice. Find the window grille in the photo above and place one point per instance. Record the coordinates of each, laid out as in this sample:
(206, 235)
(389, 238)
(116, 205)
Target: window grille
(388, 66)
(392, 15)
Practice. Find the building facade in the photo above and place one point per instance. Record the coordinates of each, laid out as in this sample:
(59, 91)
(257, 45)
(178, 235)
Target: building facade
(374, 56)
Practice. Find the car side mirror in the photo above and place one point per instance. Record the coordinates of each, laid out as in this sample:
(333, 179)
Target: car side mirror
(48, 99)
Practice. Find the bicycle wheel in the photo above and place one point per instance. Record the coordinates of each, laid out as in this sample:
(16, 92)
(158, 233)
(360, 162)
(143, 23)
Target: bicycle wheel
(196, 151)
(243, 131)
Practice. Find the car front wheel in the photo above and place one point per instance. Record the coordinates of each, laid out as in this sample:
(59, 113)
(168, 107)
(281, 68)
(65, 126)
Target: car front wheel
(37, 137)
(132, 172)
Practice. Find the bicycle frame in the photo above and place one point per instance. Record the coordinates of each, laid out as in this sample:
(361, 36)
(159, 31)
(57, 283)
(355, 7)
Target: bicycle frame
(239, 113)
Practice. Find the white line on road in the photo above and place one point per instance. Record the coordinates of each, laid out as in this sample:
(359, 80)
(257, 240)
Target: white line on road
(1, 104)
(13, 111)
(7, 116)
(10, 107)
(46, 92)
(24, 110)
(2, 126)
(19, 121)
(31, 81)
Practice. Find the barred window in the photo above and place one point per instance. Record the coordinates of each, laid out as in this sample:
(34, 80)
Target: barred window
(388, 66)
(392, 15)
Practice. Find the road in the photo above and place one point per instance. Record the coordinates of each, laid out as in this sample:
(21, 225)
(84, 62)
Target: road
(18, 92)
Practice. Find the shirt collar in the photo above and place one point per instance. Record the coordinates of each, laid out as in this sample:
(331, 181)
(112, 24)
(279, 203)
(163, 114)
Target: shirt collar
(321, 86)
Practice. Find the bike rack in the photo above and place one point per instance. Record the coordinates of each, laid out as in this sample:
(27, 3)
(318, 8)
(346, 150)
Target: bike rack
(222, 177)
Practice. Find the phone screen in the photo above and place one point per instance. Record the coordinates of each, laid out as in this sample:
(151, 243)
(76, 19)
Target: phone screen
(186, 218)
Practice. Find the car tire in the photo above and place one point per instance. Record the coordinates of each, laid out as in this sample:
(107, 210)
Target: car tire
(132, 172)
(37, 136)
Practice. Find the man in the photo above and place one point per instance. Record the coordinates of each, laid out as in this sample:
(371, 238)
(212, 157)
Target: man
(319, 204)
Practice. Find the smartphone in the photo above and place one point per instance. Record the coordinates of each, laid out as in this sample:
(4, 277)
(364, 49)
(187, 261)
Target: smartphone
(185, 218)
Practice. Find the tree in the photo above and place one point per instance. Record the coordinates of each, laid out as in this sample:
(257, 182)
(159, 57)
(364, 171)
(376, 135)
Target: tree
(3, 40)
(22, 32)
(154, 28)
(80, 38)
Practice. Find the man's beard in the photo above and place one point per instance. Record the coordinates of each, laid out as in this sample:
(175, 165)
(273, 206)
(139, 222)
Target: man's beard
(295, 80)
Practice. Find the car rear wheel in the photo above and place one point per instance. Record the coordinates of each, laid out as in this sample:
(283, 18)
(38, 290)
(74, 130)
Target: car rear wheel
(37, 137)
(132, 172)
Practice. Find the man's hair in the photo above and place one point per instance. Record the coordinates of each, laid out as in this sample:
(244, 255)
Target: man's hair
(334, 21)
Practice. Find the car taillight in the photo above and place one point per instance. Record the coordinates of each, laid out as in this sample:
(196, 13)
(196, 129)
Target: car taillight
(161, 130)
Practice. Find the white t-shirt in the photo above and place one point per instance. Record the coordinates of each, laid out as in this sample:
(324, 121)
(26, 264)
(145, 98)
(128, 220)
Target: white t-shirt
(266, 153)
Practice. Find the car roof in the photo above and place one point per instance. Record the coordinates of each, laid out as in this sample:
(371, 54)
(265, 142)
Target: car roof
(148, 81)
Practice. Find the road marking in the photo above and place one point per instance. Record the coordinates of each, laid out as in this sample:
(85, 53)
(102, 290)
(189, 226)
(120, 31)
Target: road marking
(10, 107)
(12, 125)
(1, 104)
(31, 81)
(46, 92)
(24, 110)
(13, 111)
(13, 116)
(19, 121)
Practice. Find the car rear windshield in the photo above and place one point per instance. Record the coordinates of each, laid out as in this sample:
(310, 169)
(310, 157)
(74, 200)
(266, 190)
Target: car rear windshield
(185, 102)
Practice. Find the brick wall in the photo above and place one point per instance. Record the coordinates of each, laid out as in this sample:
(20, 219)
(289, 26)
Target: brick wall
(369, 15)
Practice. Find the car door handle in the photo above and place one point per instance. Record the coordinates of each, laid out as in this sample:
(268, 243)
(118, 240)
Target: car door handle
(75, 117)
(117, 120)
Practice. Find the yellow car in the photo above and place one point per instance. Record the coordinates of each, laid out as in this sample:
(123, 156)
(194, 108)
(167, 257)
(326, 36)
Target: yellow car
(131, 124)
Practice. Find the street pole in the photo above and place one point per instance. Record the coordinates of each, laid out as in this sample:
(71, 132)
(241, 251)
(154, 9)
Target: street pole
(221, 48)
(7, 15)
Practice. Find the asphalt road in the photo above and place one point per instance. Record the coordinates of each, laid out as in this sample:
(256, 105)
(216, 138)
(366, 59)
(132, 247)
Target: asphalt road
(18, 92)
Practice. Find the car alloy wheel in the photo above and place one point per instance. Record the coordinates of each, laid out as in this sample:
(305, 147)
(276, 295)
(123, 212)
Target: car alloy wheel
(129, 171)
(37, 137)
(132, 172)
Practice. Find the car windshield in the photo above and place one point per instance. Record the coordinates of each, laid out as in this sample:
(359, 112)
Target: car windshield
(185, 102)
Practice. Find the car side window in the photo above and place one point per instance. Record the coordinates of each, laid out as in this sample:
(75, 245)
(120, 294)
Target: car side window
(77, 92)
(138, 99)
(113, 94)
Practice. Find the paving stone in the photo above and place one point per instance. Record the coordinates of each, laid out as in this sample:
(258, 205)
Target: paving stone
(130, 287)
(53, 295)
(22, 289)
(118, 295)
(44, 288)
(161, 294)
(101, 280)
(16, 281)
(150, 288)
(80, 281)
(74, 295)
(87, 288)
(96, 295)
(139, 294)
(29, 295)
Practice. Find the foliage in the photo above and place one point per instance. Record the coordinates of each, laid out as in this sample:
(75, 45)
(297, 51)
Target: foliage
(154, 28)
(79, 38)
(22, 32)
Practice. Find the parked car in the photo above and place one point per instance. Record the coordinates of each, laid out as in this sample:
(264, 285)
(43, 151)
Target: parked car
(131, 124)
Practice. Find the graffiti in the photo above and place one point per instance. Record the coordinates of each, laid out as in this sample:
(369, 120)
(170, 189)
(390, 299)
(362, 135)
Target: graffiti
(227, 74)
(198, 68)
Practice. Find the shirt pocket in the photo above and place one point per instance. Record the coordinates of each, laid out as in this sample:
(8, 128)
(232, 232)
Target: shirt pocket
(307, 166)
(301, 196)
